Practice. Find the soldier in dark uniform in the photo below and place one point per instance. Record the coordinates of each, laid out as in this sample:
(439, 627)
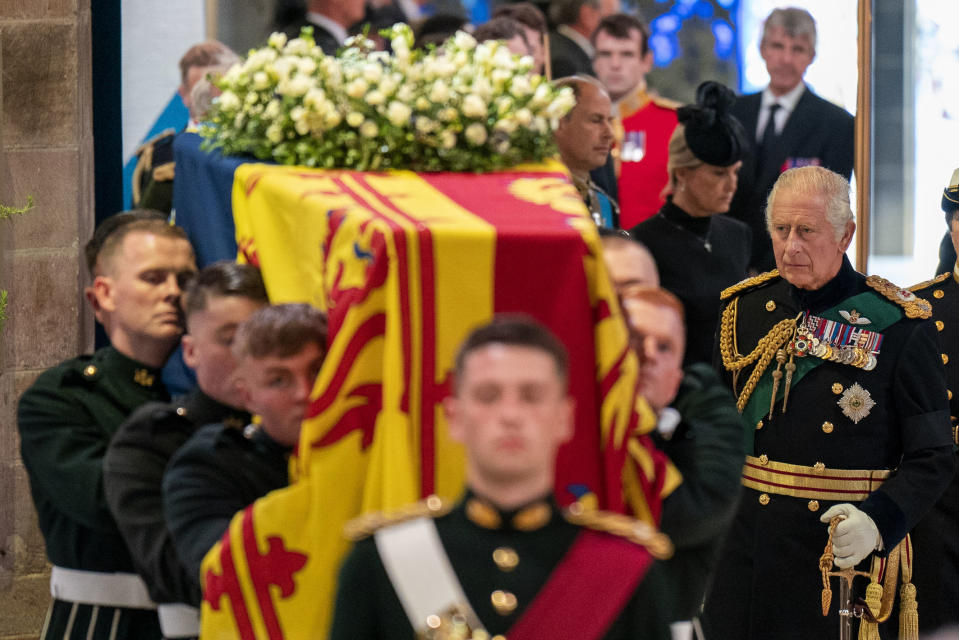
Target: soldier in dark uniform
(937, 549)
(839, 378)
(67, 417)
(222, 296)
(221, 469)
(505, 553)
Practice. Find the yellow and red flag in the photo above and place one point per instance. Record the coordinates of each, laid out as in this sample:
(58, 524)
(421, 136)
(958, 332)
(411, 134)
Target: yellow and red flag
(406, 265)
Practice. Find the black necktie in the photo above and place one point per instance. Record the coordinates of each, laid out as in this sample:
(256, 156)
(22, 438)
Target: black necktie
(769, 141)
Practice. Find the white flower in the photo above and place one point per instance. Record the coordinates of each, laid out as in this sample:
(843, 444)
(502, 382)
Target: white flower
(540, 96)
(298, 115)
(405, 94)
(439, 93)
(297, 47)
(333, 118)
(398, 113)
(277, 40)
(272, 111)
(354, 119)
(560, 105)
(448, 114)
(519, 86)
(447, 139)
(261, 80)
(482, 88)
(375, 98)
(228, 101)
(369, 129)
(306, 66)
(388, 84)
(473, 106)
(541, 125)
(503, 59)
(274, 133)
(372, 72)
(524, 116)
(463, 40)
(357, 88)
(425, 125)
(422, 104)
(476, 133)
(296, 87)
(507, 125)
(500, 76)
(283, 67)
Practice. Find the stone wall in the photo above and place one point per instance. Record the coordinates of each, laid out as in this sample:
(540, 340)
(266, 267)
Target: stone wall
(46, 151)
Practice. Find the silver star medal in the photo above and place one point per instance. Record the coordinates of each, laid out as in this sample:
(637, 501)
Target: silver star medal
(856, 403)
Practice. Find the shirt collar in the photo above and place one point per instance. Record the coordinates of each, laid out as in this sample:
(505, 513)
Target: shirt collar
(578, 38)
(787, 101)
(336, 30)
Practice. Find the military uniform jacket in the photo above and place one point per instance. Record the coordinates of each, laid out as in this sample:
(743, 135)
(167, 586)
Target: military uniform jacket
(839, 416)
(219, 471)
(133, 482)
(66, 419)
(697, 258)
(936, 572)
(646, 121)
(367, 606)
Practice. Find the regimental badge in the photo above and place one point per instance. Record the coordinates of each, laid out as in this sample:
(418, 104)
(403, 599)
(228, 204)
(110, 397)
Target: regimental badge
(856, 403)
(143, 378)
(853, 317)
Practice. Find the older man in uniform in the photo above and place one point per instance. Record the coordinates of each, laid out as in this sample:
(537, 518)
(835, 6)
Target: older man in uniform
(937, 555)
(840, 381)
(504, 558)
(67, 417)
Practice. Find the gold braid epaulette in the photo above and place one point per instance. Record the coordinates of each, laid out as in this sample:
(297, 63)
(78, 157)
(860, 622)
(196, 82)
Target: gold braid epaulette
(368, 524)
(926, 283)
(762, 354)
(913, 306)
(747, 283)
(636, 531)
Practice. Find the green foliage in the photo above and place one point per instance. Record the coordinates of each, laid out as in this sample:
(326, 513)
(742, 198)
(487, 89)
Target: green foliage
(7, 211)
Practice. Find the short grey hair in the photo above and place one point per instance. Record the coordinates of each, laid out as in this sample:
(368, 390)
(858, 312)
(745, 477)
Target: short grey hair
(797, 23)
(567, 11)
(812, 182)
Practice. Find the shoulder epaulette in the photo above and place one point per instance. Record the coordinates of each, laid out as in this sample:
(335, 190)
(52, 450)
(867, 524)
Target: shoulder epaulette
(617, 524)
(666, 103)
(146, 144)
(926, 283)
(368, 524)
(913, 306)
(748, 283)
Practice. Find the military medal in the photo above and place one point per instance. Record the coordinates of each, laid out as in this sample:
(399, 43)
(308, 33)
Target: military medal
(843, 343)
(856, 403)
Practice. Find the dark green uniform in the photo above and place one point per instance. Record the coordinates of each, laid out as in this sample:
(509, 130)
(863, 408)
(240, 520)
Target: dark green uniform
(367, 606)
(936, 572)
(219, 471)
(153, 174)
(133, 481)
(66, 420)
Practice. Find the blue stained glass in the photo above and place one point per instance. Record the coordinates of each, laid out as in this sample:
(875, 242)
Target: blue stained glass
(666, 23)
(703, 9)
(665, 48)
(725, 39)
(726, 3)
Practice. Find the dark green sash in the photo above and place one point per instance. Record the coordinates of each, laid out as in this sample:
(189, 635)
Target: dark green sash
(881, 312)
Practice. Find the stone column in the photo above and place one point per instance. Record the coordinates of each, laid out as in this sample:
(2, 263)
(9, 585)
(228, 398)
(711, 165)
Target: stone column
(46, 151)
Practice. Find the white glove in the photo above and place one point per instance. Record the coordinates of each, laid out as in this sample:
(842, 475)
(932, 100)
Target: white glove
(855, 537)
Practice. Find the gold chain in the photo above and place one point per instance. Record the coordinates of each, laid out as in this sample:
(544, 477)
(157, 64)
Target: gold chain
(764, 351)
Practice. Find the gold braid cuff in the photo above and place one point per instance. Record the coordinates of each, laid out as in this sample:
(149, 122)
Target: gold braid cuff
(764, 352)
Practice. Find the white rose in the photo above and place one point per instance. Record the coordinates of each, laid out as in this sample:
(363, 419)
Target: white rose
(425, 125)
(357, 88)
(398, 113)
(332, 119)
(228, 101)
(298, 86)
(405, 94)
(439, 93)
(354, 119)
(369, 129)
(274, 133)
(503, 59)
(524, 117)
(541, 125)
(297, 47)
(540, 96)
(520, 87)
(283, 67)
(463, 40)
(277, 40)
(372, 72)
(448, 139)
(306, 66)
(388, 85)
(507, 125)
(484, 52)
(558, 107)
(448, 114)
(482, 88)
(375, 97)
(473, 106)
(300, 123)
(261, 80)
(272, 111)
(476, 133)
(315, 99)
(422, 104)
(500, 76)
(251, 98)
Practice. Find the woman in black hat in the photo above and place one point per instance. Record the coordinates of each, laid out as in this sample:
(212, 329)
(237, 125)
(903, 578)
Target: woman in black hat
(698, 252)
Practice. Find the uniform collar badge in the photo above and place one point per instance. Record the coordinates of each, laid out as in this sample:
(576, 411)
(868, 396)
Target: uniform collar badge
(144, 378)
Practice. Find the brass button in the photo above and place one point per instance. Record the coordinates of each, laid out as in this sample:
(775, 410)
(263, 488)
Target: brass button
(827, 427)
(938, 293)
(813, 505)
(90, 370)
(181, 411)
(945, 359)
(819, 466)
(434, 503)
(433, 621)
(836, 388)
(505, 558)
(764, 459)
(503, 601)
(770, 305)
(759, 425)
(764, 499)
(940, 325)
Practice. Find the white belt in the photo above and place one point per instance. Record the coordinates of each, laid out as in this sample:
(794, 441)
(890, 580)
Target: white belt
(104, 589)
(179, 620)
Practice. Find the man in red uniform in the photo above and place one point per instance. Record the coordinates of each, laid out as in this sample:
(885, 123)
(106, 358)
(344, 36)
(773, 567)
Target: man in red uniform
(644, 121)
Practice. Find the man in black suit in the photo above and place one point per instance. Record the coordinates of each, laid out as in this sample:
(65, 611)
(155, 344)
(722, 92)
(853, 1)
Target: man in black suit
(330, 20)
(804, 128)
(570, 50)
